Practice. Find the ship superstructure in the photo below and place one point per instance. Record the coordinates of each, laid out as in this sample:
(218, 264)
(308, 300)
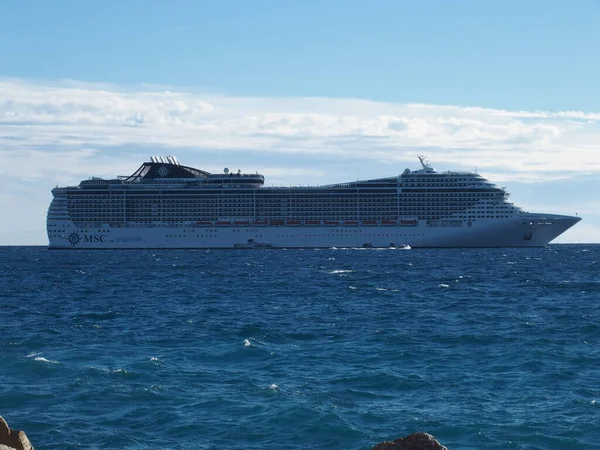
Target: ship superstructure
(167, 205)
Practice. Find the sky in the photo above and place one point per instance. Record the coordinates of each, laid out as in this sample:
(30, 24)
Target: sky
(304, 92)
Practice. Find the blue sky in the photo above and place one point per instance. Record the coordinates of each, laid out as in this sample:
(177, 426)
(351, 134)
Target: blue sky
(302, 91)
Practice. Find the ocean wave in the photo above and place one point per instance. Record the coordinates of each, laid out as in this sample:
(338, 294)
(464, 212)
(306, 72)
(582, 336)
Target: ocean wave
(245, 349)
(42, 359)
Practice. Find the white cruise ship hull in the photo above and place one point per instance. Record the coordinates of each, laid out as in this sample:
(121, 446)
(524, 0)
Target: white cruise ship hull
(532, 230)
(164, 204)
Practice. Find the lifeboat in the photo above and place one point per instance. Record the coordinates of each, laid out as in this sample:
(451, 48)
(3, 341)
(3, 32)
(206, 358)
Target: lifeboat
(261, 223)
(350, 223)
(312, 223)
(331, 223)
(408, 223)
(388, 223)
(241, 223)
(222, 223)
(293, 223)
(276, 222)
(369, 223)
(204, 223)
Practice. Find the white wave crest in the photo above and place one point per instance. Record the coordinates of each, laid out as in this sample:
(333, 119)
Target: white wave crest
(49, 361)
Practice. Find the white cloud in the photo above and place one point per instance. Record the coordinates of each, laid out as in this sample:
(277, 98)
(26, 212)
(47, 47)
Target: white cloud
(34, 116)
(61, 132)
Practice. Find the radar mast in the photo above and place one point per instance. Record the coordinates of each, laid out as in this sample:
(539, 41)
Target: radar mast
(423, 161)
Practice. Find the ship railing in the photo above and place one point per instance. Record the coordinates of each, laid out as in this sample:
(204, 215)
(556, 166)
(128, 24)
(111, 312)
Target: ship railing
(235, 175)
(290, 222)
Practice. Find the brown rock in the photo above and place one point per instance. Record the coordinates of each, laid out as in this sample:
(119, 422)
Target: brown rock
(4, 447)
(415, 441)
(13, 438)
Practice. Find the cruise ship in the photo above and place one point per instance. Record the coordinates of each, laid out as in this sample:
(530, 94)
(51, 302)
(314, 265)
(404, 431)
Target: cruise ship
(165, 204)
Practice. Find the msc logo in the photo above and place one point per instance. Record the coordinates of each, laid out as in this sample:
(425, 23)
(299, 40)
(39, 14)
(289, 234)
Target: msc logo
(163, 171)
(94, 238)
(74, 238)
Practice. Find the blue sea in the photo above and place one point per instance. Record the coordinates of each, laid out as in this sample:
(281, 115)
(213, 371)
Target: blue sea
(301, 349)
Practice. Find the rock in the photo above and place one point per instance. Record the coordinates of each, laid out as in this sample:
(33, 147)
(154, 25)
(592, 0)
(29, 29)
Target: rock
(415, 441)
(13, 439)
